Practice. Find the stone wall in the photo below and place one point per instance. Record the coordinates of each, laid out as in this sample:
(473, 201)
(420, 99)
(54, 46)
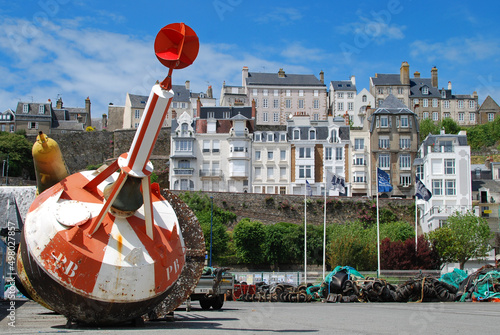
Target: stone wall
(273, 208)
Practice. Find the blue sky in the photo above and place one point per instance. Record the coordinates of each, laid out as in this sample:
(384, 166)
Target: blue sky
(76, 48)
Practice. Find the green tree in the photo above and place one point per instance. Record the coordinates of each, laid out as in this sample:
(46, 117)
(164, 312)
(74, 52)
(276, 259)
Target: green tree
(282, 245)
(464, 237)
(249, 239)
(18, 149)
(397, 231)
(450, 126)
(427, 127)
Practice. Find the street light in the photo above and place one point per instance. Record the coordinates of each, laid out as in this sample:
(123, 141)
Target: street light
(211, 225)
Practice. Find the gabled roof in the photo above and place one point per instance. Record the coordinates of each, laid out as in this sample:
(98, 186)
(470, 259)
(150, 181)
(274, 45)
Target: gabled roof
(138, 101)
(342, 85)
(180, 93)
(489, 105)
(416, 85)
(386, 79)
(257, 78)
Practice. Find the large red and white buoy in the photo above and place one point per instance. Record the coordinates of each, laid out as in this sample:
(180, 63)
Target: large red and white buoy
(106, 247)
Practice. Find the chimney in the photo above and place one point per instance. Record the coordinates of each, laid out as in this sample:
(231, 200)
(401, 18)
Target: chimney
(198, 107)
(244, 76)
(209, 92)
(449, 85)
(487, 162)
(88, 118)
(353, 80)
(87, 105)
(322, 77)
(404, 73)
(104, 121)
(434, 77)
(416, 74)
(253, 109)
(188, 85)
(59, 103)
(281, 73)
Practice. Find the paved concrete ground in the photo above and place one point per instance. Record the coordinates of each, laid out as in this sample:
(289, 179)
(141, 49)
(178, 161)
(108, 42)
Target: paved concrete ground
(285, 318)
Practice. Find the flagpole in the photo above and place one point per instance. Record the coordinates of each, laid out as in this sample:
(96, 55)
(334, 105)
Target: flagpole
(305, 233)
(324, 226)
(378, 232)
(416, 222)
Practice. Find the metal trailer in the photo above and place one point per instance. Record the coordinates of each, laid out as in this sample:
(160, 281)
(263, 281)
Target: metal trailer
(212, 288)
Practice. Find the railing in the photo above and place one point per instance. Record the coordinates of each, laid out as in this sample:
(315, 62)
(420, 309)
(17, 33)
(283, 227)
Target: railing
(183, 171)
(210, 173)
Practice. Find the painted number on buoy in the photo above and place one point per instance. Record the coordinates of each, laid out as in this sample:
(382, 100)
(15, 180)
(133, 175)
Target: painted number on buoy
(60, 263)
(175, 268)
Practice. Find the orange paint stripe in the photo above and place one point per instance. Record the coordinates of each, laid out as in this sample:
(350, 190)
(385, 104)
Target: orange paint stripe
(142, 133)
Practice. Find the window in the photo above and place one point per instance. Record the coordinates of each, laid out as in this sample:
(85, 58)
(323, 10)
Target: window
(350, 95)
(425, 102)
(276, 117)
(446, 104)
(312, 134)
(359, 144)
(257, 155)
(404, 121)
(254, 91)
(137, 114)
(380, 91)
(296, 134)
(316, 93)
(206, 146)
(184, 164)
(405, 180)
(257, 137)
(227, 115)
(256, 103)
(364, 98)
(383, 142)
(136, 125)
(450, 187)
(288, 103)
(264, 103)
(340, 106)
(472, 104)
(384, 121)
(434, 102)
(276, 93)
(437, 187)
(282, 172)
(405, 162)
(276, 103)
(359, 160)
(211, 115)
(265, 92)
(415, 101)
(384, 161)
(32, 125)
(339, 154)
(305, 171)
(419, 171)
(270, 155)
(491, 117)
(449, 166)
(316, 104)
(425, 90)
(26, 108)
(425, 115)
(283, 155)
(184, 129)
(315, 116)
(282, 137)
(270, 172)
(472, 117)
(270, 137)
(328, 154)
(288, 93)
(301, 103)
(216, 146)
(340, 95)
(304, 152)
(264, 117)
(359, 177)
(460, 116)
(460, 104)
(301, 93)
(447, 115)
(183, 145)
(174, 105)
(400, 90)
(350, 106)
(435, 116)
(258, 172)
(41, 109)
(404, 143)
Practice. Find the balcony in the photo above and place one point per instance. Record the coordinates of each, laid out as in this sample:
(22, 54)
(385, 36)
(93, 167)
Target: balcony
(183, 171)
(238, 153)
(211, 173)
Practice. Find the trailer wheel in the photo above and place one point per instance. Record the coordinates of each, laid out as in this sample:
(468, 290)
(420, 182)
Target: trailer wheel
(218, 302)
(205, 303)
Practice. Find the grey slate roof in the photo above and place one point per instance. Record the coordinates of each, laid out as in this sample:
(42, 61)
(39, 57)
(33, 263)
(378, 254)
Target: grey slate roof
(493, 185)
(180, 93)
(257, 78)
(416, 85)
(392, 106)
(138, 101)
(219, 112)
(343, 85)
(386, 79)
(432, 139)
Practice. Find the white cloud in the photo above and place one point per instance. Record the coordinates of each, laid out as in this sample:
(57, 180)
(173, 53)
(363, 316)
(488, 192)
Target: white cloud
(281, 15)
(298, 53)
(376, 30)
(460, 50)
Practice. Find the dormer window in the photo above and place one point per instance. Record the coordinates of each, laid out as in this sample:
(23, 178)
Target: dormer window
(333, 136)
(26, 108)
(184, 129)
(211, 115)
(425, 90)
(296, 134)
(257, 137)
(312, 134)
(270, 137)
(41, 109)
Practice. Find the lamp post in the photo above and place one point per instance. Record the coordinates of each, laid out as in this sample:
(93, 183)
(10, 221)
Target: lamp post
(211, 225)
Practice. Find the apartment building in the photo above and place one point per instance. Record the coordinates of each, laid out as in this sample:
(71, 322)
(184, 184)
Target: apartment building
(359, 153)
(394, 135)
(488, 110)
(463, 108)
(341, 98)
(364, 100)
(444, 167)
(8, 121)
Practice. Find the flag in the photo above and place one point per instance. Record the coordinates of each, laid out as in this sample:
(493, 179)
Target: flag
(335, 182)
(421, 191)
(384, 181)
(308, 188)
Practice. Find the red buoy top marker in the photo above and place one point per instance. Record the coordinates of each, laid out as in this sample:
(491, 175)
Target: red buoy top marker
(176, 46)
